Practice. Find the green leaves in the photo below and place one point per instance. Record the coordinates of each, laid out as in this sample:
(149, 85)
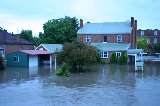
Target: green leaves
(142, 44)
(26, 34)
(60, 30)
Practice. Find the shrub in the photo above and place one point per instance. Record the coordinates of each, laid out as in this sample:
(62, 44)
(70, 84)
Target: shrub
(113, 58)
(1, 63)
(123, 58)
(63, 70)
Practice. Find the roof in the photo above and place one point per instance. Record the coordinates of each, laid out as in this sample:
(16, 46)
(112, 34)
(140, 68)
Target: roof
(106, 28)
(134, 51)
(35, 52)
(52, 47)
(111, 46)
(8, 38)
(1, 47)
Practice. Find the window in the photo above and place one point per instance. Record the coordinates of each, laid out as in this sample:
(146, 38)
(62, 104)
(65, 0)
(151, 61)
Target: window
(41, 48)
(148, 40)
(119, 38)
(118, 54)
(105, 39)
(142, 33)
(16, 59)
(104, 54)
(155, 32)
(155, 40)
(88, 38)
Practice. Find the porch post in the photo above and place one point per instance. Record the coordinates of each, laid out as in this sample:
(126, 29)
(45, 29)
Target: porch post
(50, 60)
(55, 61)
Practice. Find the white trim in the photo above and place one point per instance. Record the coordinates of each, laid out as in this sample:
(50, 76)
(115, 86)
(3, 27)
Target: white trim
(102, 54)
(16, 59)
(42, 46)
(88, 38)
(119, 38)
(118, 53)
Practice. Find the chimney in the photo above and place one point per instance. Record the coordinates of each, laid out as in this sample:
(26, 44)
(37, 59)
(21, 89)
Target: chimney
(132, 21)
(81, 23)
(17, 38)
(135, 46)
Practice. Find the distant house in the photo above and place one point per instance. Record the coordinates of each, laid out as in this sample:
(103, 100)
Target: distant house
(109, 37)
(152, 36)
(12, 42)
(53, 48)
(28, 58)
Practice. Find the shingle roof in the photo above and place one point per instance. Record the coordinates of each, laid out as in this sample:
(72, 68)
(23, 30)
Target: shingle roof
(106, 28)
(52, 47)
(111, 46)
(35, 52)
(7, 38)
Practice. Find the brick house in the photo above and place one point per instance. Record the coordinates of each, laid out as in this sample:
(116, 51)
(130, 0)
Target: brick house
(109, 37)
(153, 36)
(12, 43)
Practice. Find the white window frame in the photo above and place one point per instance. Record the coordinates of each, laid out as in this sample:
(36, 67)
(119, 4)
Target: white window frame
(88, 38)
(41, 48)
(142, 33)
(148, 40)
(119, 38)
(16, 59)
(117, 54)
(155, 40)
(155, 32)
(103, 54)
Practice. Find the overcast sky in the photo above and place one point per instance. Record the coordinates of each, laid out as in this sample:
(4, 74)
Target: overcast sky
(16, 15)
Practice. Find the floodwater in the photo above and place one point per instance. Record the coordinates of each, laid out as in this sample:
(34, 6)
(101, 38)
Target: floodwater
(101, 85)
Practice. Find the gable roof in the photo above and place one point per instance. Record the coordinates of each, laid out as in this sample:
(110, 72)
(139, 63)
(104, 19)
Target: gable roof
(8, 38)
(35, 52)
(106, 28)
(111, 46)
(51, 47)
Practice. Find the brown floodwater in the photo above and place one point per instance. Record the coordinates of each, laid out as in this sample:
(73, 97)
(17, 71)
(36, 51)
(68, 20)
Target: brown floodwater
(99, 85)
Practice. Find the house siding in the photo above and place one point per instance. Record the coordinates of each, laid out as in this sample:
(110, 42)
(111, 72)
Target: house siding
(23, 59)
(110, 38)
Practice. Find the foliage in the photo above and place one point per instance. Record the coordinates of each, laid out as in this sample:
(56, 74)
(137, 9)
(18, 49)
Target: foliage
(157, 47)
(63, 71)
(60, 30)
(123, 58)
(102, 61)
(78, 54)
(26, 34)
(113, 58)
(142, 44)
(1, 63)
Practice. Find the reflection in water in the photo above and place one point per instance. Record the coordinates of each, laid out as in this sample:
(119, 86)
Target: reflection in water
(99, 85)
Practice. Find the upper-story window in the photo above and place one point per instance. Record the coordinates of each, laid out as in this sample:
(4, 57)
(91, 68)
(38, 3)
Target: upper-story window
(88, 38)
(148, 41)
(155, 40)
(155, 32)
(142, 33)
(119, 38)
(105, 39)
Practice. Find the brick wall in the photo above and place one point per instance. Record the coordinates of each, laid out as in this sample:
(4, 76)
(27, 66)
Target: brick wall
(110, 38)
(14, 48)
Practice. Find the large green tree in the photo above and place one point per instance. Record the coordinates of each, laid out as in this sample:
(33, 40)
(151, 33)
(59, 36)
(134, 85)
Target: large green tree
(142, 44)
(27, 34)
(60, 30)
(78, 54)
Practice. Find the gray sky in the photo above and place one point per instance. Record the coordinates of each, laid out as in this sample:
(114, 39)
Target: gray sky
(16, 15)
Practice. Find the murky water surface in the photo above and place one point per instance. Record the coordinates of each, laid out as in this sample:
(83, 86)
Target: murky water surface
(101, 85)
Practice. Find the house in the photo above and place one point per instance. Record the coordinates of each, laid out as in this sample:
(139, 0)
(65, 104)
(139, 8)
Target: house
(50, 48)
(153, 37)
(12, 42)
(109, 37)
(28, 58)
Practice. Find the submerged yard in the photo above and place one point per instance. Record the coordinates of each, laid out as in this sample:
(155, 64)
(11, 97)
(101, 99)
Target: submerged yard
(100, 85)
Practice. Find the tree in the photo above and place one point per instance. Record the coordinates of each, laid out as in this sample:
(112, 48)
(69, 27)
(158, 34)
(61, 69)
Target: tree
(123, 58)
(78, 54)
(142, 44)
(157, 47)
(60, 30)
(27, 34)
(113, 58)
